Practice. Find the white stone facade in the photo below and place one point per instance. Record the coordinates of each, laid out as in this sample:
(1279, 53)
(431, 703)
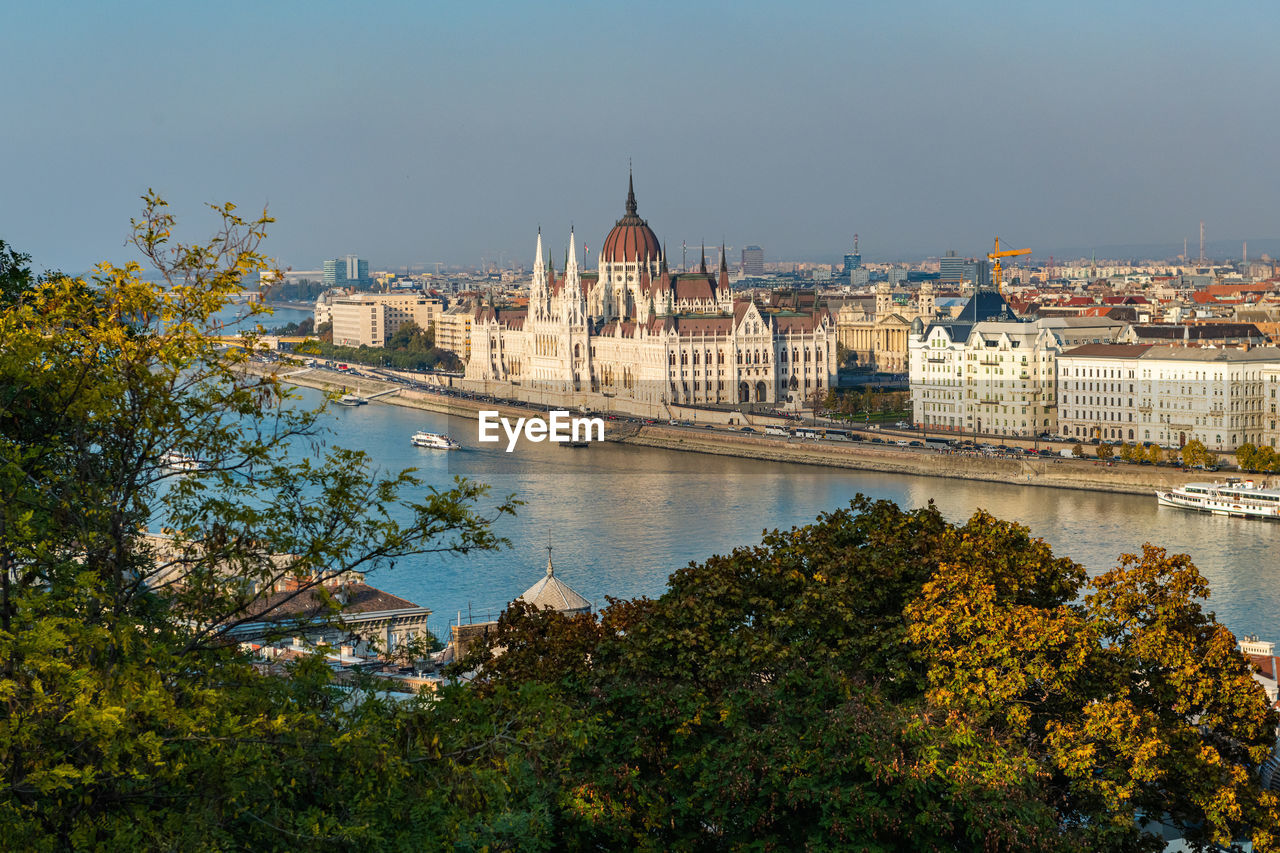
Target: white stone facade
(1169, 395)
(992, 377)
(636, 332)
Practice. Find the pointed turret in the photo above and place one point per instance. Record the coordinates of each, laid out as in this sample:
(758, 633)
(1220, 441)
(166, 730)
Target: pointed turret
(571, 257)
(723, 283)
(631, 193)
(662, 266)
(703, 266)
(575, 300)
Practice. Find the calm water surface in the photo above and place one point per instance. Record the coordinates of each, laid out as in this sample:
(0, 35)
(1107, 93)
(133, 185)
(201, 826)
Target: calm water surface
(622, 518)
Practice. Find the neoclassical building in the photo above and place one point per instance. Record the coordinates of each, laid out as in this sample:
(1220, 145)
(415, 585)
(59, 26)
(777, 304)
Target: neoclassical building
(634, 330)
(880, 340)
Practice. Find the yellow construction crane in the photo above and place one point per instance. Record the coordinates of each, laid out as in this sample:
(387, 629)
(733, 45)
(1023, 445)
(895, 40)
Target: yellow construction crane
(996, 256)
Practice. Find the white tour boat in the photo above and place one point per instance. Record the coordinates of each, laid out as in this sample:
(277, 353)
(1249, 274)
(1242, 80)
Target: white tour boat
(180, 463)
(1242, 498)
(434, 440)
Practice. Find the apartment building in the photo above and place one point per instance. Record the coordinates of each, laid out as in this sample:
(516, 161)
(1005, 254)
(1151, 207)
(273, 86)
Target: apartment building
(989, 377)
(1168, 395)
(369, 319)
(453, 331)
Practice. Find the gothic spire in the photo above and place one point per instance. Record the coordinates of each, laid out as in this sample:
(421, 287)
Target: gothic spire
(631, 193)
(724, 262)
(703, 267)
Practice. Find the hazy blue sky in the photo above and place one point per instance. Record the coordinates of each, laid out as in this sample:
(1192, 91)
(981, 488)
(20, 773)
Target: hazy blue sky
(420, 132)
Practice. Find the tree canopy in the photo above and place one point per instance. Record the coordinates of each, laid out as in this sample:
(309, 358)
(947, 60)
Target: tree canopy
(884, 680)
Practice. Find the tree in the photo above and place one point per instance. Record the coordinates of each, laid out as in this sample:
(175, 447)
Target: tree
(1077, 450)
(1253, 458)
(882, 679)
(1196, 455)
(1105, 451)
(130, 714)
(1155, 454)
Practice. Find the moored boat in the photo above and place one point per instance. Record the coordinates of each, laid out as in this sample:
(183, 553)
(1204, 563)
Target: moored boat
(175, 461)
(1235, 497)
(434, 441)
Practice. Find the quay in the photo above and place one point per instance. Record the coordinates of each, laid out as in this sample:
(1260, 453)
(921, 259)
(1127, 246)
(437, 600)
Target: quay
(1053, 472)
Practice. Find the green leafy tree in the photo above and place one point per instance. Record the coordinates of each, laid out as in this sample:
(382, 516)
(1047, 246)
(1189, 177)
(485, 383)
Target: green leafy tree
(131, 717)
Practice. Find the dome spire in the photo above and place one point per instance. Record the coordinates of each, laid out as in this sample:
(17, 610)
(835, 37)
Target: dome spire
(631, 193)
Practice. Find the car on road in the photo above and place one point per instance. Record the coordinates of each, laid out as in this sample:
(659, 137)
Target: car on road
(747, 429)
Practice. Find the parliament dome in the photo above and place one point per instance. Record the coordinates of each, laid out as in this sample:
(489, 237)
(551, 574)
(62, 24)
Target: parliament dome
(631, 239)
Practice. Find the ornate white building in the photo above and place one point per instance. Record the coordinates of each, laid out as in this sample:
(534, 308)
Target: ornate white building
(1169, 395)
(986, 372)
(633, 330)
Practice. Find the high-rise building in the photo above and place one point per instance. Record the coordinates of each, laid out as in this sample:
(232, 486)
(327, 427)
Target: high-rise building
(350, 271)
(853, 260)
(951, 268)
(753, 261)
(978, 272)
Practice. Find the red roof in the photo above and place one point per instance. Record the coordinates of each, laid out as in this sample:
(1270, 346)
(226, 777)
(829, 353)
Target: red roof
(631, 238)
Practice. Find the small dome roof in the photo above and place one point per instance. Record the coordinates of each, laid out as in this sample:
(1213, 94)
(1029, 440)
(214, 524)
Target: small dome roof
(551, 592)
(631, 238)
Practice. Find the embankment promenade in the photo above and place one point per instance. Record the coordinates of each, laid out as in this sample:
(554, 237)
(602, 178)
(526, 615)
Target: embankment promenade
(1053, 472)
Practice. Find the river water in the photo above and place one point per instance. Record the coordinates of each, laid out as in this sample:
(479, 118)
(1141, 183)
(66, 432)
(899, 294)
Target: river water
(620, 518)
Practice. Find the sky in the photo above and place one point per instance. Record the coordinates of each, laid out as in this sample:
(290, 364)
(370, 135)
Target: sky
(418, 132)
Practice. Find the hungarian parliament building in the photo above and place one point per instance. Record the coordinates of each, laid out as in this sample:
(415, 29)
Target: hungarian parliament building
(634, 330)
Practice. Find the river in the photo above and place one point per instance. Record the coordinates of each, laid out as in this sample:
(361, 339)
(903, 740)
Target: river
(621, 518)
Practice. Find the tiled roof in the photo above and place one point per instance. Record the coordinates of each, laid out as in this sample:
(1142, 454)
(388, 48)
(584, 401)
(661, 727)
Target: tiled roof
(1108, 350)
(306, 605)
(551, 592)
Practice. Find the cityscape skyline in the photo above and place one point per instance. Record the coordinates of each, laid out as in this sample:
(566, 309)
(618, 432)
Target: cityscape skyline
(416, 136)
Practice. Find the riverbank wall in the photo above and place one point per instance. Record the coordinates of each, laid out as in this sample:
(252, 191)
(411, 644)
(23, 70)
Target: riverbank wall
(1050, 472)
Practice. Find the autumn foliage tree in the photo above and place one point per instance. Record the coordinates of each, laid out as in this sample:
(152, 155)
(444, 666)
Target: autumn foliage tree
(885, 680)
